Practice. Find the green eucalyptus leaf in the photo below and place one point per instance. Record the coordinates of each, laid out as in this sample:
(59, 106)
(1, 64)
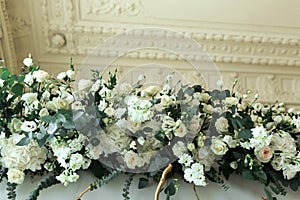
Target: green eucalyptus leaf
(61, 118)
(245, 134)
(24, 141)
(268, 193)
(69, 125)
(294, 184)
(48, 119)
(17, 89)
(171, 189)
(248, 175)
(52, 128)
(143, 182)
(5, 74)
(262, 176)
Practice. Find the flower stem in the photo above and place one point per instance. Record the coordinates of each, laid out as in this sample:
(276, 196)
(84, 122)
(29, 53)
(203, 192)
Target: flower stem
(195, 191)
(83, 192)
(162, 180)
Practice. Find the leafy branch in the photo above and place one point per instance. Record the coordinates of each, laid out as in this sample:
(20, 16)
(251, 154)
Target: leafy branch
(11, 189)
(126, 187)
(44, 183)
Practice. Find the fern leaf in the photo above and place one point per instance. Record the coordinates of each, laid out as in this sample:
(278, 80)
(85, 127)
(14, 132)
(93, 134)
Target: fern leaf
(44, 183)
(11, 189)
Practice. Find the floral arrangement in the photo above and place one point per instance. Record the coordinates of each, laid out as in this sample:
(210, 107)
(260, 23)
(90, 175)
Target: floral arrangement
(52, 129)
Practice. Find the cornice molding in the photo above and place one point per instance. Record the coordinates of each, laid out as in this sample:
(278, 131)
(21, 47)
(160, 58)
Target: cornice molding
(224, 46)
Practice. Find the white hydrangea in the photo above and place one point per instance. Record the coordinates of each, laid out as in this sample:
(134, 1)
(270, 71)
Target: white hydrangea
(67, 177)
(195, 174)
(76, 161)
(139, 110)
(30, 156)
(260, 138)
(186, 160)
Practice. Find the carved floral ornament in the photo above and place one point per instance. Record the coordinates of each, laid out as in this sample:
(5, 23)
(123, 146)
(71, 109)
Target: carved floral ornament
(115, 7)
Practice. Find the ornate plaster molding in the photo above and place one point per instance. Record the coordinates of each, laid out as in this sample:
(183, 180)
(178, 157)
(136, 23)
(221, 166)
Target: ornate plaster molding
(114, 7)
(243, 47)
(10, 58)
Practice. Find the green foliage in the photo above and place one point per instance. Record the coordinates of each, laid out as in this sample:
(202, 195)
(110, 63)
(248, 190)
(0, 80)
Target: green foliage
(213, 176)
(11, 190)
(171, 189)
(44, 184)
(105, 179)
(143, 182)
(245, 134)
(98, 170)
(3, 171)
(126, 187)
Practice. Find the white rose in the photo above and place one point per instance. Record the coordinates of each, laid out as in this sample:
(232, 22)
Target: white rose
(277, 163)
(50, 106)
(222, 125)
(231, 101)
(218, 147)
(84, 85)
(264, 154)
(77, 105)
(60, 103)
(70, 74)
(61, 75)
(277, 119)
(28, 79)
(15, 176)
(208, 109)
(28, 62)
(202, 96)
(150, 91)
(179, 148)
(234, 165)
(43, 112)
(206, 157)
(46, 95)
(290, 171)
(231, 143)
(133, 160)
(29, 97)
(283, 141)
(40, 76)
(15, 125)
(2, 82)
(195, 124)
(166, 100)
(181, 129)
(109, 111)
(258, 106)
(28, 126)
